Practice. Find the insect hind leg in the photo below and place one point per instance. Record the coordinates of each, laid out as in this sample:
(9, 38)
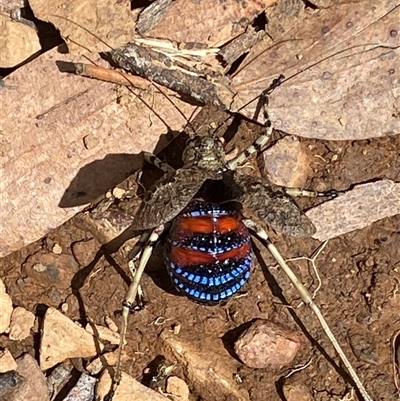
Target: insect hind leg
(133, 289)
(307, 299)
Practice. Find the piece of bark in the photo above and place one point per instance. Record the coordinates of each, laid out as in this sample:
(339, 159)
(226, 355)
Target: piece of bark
(45, 163)
(18, 42)
(355, 209)
(342, 69)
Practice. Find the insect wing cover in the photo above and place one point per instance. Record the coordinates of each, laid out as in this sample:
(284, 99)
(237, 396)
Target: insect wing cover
(171, 195)
(268, 205)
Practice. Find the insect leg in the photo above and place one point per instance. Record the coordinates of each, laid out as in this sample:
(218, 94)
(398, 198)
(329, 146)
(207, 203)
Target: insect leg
(133, 291)
(307, 299)
(261, 141)
(311, 194)
(256, 146)
(150, 158)
(133, 257)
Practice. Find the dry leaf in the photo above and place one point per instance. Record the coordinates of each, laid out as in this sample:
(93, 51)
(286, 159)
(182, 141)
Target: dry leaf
(342, 69)
(56, 125)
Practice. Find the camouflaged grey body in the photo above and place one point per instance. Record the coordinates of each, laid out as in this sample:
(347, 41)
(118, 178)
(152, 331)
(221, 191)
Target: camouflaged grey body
(204, 159)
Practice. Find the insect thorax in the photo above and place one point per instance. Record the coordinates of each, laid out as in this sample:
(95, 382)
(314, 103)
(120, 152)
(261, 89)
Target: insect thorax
(209, 251)
(205, 152)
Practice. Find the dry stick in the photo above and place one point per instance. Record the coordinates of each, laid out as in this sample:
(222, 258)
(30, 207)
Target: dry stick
(108, 75)
(307, 299)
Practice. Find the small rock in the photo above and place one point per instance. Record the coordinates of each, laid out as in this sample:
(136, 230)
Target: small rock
(296, 392)
(118, 192)
(177, 388)
(287, 163)
(207, 365)
(18, 43)
(85, 251)
(128, 389)
(83, 389)
(7, 362)
(51, 270)
(103, 333)
(22, 321)
(9, 383)
(267, 345)
(57, 249)
(58, 378)
(33, 387)
(111, 324)
(5, 308)
(62, 339)
(108, 359)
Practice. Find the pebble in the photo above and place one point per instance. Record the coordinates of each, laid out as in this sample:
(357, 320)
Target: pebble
(296, 392)
(103, 333)
(111, 324)
(207, 364)
(129, 389)
(6, 308)
(58, 378)
(7, 362)
(57, 249)
(83, 389)
(287, 163)
(177, 389)
(108, 359)
(51, 270)
(19, 42)
(63, 339)
(33, 385)
(21, 323)
(9, 383)
(267, 345)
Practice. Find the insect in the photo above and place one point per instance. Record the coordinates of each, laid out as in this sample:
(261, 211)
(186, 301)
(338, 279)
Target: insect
(210, 209)
(211, 265)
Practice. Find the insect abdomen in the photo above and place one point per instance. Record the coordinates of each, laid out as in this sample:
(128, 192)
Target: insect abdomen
(209, 251)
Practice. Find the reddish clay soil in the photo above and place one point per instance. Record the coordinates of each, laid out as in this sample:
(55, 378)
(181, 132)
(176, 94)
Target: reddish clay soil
(358, 295)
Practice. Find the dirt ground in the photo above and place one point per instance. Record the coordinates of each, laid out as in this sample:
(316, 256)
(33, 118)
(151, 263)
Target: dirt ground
(358, 295)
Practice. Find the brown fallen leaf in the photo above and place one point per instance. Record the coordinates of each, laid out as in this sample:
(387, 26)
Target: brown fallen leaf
(47, 117)
(112, 21)
(356, 209)
(206, 23)
(341, 66)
